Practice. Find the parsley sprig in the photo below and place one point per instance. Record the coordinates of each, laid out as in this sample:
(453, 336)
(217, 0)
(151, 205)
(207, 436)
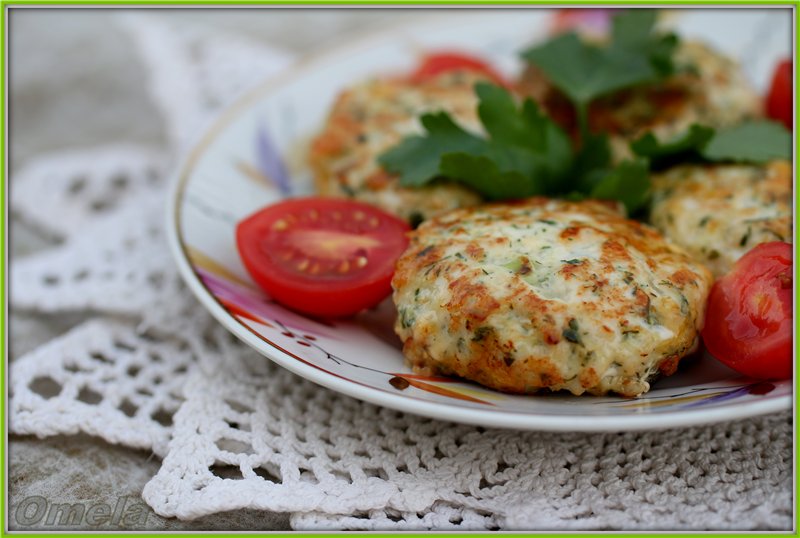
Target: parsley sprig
(525, 153)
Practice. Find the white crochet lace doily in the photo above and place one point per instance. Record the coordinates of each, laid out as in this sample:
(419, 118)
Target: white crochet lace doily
(152, 370)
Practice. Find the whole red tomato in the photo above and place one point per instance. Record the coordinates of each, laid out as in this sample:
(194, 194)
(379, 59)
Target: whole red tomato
(779, 98)
(749, 319)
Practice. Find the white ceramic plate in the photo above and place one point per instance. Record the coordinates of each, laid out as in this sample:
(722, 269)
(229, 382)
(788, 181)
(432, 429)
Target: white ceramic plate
(238, 166)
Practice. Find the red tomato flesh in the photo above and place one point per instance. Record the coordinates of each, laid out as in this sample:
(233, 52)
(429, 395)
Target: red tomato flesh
(435, 64)
(322, 256)
(749, 319)
(779, 98)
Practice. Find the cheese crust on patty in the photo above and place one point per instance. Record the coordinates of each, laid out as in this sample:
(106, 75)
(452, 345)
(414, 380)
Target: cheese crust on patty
(374, 116)
(719, 212)
(547, 294)
(708, 88)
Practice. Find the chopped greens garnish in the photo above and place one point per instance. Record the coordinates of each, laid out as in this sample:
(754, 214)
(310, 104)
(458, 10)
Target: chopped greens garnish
(525, 154)
(571, 332)
(481, 333)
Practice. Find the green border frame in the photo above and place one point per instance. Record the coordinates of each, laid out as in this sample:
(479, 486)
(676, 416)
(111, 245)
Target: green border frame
(399, 3)
(488, 4)
(4, 247)
(8, 4)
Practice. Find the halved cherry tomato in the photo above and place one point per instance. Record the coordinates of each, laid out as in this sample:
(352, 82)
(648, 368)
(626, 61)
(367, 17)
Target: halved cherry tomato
(441, 62)
(779, 98)
(322, 256)
(749, 319)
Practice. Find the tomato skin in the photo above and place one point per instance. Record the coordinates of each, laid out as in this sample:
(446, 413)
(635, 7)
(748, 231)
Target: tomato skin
(325, 257)
(435, 64)
(780, 98)
(749, 318)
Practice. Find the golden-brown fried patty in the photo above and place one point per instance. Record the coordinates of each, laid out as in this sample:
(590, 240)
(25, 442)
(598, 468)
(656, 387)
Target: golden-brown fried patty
(547, 294)
(719, 212)
(709, 88)
(370, 118)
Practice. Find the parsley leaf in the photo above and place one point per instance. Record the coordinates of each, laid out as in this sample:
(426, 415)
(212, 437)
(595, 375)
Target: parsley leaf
(584, 71)
(416, 159)
(754, 141)
(525, 128)
(633, 30)
(493, 180)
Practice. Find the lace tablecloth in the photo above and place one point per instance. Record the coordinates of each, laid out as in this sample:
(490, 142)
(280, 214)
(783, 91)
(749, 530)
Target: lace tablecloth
(152, 370)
